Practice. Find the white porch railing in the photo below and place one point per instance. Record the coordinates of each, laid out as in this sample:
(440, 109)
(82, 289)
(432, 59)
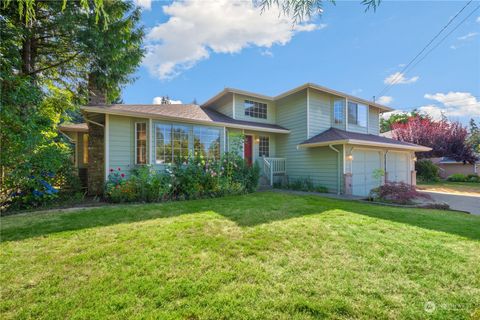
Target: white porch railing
(273, 167)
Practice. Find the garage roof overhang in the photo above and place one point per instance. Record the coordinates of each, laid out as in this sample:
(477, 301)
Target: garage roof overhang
(415, 148)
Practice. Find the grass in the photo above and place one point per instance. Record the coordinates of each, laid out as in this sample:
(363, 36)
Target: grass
(450, 187)
(263, 255)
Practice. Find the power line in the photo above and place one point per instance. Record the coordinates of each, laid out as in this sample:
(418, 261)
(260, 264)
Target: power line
(399, 75)
(451, 31)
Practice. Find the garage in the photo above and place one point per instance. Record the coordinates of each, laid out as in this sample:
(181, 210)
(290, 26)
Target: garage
(364, 165)
(397, 166)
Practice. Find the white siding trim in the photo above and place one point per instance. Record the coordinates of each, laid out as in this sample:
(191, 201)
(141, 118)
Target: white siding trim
(224, 139)
(107, 146)
(368, 118)
(150, 143)
(346, 114)
(233, 106)
(308, 113)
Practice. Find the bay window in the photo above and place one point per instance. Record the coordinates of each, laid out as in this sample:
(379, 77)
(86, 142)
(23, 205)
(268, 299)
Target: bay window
(206, 142)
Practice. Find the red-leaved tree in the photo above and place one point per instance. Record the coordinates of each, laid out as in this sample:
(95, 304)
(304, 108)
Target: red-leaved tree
(447, 139)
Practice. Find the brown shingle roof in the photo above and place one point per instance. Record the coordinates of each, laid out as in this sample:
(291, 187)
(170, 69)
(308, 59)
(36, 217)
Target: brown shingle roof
(190, 112)
(335, 135)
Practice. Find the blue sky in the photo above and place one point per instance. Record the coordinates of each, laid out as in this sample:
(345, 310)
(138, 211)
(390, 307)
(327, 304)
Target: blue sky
(197, 49)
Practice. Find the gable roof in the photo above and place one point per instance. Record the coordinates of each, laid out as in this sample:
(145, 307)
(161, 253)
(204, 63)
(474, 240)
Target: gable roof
(295, 90)
(184, 113)
(337, 136)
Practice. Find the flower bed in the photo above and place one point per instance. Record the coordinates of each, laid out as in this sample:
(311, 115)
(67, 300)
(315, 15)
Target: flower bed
(193, 178)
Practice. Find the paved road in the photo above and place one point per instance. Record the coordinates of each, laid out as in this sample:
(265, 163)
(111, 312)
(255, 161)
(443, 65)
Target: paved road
(458, 202)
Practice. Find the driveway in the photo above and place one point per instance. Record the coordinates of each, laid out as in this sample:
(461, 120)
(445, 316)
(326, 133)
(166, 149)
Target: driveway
(469, 203)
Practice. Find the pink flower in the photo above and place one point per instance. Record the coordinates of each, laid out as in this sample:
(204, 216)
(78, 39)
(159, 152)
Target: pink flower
(119, 169)
(123, 175)
(111, 170)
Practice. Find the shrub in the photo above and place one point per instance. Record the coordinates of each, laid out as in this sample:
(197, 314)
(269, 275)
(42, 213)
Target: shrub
(302, 184)
(427, 171)
(457, 177)
(397, 192)
(473, 178)
(194, 177)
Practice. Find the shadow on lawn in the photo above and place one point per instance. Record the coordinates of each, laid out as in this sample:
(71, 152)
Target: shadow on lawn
(245, 211)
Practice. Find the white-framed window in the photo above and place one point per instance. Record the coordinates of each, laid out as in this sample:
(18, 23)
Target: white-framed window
(171, 143)
(357, 114)
(255, 109)
(338, 110)
(140, 143)
(264, 146)
(206, 142)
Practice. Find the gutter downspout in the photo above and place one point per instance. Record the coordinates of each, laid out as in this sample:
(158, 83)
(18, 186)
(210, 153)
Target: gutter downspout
(338, 166)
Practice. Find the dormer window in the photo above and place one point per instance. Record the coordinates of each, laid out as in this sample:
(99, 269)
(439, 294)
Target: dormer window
(357, 114)
(255, 109)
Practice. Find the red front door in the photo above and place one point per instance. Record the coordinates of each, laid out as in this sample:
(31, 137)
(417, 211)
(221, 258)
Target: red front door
(247, 149)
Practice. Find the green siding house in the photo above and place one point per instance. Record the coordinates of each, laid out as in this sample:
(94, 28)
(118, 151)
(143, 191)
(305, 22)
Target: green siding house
(312, 132)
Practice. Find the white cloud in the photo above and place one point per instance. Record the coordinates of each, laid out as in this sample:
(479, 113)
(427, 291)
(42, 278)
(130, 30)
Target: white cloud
(158, 100)
(478, 19)
(453, 104)
(145, 4)
(385, 100)
(399, 78)
(266, 53)
(468, 36)
(196, 28)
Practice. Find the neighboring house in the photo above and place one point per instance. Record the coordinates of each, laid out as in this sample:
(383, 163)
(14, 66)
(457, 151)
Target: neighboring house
(312, 132)
(449, 166)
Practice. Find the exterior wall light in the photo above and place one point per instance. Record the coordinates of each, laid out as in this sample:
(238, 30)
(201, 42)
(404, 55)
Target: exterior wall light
(414, 158)
(350, 157)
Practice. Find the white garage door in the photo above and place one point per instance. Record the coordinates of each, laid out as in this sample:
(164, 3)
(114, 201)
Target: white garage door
(397, 166)
(364, 165)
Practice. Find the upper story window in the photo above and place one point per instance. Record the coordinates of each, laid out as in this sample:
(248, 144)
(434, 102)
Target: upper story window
(140, 143)
(206, 142)
(255, 109)
(263, 146)
(171, 143)
(338, 107)
(357, 114)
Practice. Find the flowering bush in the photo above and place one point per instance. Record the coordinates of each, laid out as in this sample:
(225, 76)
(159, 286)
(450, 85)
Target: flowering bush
(397, 192)
(191, 178)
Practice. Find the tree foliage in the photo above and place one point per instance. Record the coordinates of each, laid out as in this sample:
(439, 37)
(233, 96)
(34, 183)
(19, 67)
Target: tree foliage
(386, 123)
(447, 139)
(301, 10)
(474, 138)
(46, 60)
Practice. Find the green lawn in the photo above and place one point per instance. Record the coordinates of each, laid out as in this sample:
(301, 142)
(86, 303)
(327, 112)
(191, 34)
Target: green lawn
(451, 187)
(263, 255)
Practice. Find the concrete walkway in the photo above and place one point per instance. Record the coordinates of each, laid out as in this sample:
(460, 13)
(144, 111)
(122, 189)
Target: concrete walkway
(460, 202)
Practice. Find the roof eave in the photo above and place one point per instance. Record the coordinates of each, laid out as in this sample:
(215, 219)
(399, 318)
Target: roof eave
(415, 148)
(236, 91)
(160, 117)
(333, 92)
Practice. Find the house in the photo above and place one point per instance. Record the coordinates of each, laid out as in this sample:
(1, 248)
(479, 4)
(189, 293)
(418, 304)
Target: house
(449, 166)
(310, 131)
